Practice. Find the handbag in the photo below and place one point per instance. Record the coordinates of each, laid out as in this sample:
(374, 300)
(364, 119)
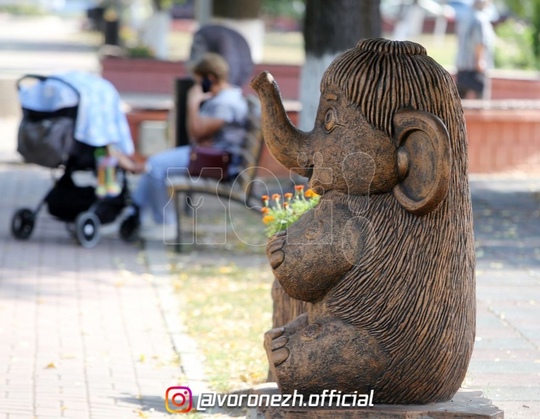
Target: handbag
(209, 162)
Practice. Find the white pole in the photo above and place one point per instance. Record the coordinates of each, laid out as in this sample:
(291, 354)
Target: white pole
(203, 11)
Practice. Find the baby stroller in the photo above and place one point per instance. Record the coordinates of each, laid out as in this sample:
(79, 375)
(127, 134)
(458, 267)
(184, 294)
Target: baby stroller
(69, 121)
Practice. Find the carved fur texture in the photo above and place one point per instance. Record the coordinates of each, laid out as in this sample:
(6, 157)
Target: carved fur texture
(414, 289)
(387, 258)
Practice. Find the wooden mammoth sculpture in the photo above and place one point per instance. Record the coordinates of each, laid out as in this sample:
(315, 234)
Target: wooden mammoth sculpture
(386, 260)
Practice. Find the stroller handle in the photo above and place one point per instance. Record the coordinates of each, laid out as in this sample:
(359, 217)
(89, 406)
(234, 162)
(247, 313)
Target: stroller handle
(42, 78)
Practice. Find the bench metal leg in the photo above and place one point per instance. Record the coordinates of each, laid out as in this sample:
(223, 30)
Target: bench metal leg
(187, 208)
(177, 208)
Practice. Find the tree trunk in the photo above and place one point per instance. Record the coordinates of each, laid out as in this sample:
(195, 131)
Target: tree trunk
(236, 9)
(285, 308)
(329, 29)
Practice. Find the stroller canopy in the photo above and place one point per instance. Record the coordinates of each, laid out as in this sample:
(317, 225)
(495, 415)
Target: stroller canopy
(100, 118)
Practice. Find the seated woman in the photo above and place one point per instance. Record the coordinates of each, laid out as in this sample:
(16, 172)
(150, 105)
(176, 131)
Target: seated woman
(216, 116)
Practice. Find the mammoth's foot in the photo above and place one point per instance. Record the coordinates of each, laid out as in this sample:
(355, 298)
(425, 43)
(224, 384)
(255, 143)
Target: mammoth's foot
(323, 355)
(275, 341)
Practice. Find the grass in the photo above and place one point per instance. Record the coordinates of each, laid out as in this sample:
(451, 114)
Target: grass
(225, 293)
(179, 45)
(227, 308)
(283, 47)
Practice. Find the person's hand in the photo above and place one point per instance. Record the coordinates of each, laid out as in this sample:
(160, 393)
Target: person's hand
(132, 164)
(481, 66)
(196, 96)
(138, 167)
(480, 58)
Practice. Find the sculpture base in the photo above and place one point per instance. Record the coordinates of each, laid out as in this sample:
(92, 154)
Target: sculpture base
(464, 405)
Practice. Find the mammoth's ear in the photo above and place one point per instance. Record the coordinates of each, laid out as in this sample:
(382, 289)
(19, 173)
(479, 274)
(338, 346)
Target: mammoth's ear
(424, 160)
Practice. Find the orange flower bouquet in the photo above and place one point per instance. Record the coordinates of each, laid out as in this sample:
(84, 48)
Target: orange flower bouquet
(279, 213)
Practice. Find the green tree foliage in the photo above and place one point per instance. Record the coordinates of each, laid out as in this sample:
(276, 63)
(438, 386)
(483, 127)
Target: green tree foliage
(529, 11)
(293, 9)
(514, 45)
(165, 4)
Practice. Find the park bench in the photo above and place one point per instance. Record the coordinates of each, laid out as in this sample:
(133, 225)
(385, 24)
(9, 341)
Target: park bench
(239, 189)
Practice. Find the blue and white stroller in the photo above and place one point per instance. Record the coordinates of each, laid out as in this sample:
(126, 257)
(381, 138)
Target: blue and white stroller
(69, 121)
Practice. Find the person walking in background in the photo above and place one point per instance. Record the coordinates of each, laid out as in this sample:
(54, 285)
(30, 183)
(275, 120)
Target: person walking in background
(476, 43)
(217, 117)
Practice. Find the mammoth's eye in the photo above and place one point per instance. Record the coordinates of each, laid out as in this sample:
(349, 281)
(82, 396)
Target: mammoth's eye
(330, 119)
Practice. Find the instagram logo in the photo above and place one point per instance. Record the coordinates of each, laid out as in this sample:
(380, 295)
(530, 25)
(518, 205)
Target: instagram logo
(178, 399)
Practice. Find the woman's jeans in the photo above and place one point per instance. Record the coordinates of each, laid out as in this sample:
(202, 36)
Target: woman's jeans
(151, 191)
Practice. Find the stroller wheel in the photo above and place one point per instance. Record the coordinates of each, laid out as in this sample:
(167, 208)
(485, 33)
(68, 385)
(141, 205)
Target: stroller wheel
(87, 229)
(129, 229)
(22, 223)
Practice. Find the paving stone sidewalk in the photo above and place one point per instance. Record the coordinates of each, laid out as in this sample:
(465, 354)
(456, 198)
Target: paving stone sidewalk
(82, 333)
(506, 357)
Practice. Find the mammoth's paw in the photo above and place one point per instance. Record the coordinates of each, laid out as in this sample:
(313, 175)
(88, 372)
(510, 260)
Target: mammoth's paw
(274, 250)
(275, 342)
(310, 359)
